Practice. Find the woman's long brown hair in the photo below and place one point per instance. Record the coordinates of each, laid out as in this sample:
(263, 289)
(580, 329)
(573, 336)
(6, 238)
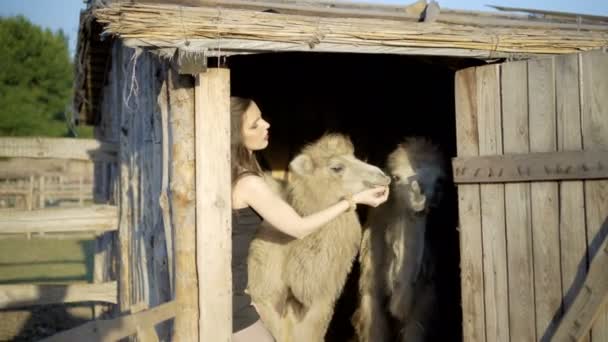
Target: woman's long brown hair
(243, 161)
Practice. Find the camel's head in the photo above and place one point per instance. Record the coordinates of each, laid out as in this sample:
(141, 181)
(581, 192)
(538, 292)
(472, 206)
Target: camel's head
(330, 166)
(417, 169)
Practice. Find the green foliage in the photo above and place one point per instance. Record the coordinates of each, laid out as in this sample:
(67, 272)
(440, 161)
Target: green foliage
(35, 79)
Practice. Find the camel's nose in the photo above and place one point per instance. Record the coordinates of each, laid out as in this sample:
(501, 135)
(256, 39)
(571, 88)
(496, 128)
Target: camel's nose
(380, 179)
(387, 179)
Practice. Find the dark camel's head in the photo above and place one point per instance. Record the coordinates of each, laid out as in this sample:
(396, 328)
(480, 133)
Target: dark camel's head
(417, 169)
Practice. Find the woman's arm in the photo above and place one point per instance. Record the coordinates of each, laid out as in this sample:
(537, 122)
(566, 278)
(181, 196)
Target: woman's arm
(253, 191)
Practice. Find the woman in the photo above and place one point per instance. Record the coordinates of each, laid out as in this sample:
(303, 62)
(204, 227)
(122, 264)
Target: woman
(253, 201)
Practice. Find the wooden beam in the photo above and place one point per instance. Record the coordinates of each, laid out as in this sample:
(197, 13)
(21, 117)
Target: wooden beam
(97, 218)
(117, 328)
(213, 204)
(16, 296)
(588, 303)
(531, 167)
(61, 148)
(235, 46)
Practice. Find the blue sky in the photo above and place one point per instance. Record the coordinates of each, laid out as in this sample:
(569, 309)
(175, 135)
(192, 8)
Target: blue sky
(64, 14)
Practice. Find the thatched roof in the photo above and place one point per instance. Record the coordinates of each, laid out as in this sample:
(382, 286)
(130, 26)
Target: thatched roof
(225, 27)
(236, 26)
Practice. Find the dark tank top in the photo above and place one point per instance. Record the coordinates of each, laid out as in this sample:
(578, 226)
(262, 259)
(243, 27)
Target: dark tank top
(245, 223)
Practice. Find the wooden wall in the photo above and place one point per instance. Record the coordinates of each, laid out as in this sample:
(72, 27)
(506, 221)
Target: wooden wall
(525, 247)
(131, 117)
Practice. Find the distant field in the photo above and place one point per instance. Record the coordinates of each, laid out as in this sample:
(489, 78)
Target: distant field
(45, 260)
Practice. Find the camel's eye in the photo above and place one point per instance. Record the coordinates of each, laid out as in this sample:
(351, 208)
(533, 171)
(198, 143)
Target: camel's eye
(396, 178)
(337, 168)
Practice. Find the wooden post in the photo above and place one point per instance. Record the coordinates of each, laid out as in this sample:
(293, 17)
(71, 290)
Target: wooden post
(30, 195)
(180, 94)
(213, 204)
(41, 192)
(80, 191)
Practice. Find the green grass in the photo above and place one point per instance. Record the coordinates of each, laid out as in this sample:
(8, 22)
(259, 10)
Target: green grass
(45, 261)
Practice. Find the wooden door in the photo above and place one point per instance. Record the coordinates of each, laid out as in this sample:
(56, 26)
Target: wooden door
(532, 192)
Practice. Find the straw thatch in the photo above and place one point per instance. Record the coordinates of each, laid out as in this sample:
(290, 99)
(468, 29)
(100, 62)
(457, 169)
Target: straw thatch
(236, 26)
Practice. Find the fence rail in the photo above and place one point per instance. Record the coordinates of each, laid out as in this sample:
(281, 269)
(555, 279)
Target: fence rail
(96, 218)
(31, 190)
(140, 324)
(21, 295)
(61, 148)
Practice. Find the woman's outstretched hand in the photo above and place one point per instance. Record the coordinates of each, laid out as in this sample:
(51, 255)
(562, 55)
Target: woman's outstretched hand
(372, 197)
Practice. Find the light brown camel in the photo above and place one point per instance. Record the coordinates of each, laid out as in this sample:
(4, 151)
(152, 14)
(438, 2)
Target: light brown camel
(396, 282)
(294, 283)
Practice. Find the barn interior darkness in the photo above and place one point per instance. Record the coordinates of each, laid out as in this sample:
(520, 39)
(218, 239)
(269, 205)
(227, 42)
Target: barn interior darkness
(378, 100)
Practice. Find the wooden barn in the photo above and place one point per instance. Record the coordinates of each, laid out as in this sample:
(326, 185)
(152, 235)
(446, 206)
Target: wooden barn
(516, 97)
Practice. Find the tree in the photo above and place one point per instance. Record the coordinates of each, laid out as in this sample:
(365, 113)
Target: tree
(35, 79)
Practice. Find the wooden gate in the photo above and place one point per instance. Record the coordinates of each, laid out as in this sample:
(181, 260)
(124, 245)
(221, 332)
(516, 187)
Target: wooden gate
(532, 194)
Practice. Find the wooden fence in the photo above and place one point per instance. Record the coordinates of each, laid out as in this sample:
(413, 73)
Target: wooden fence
(32, 191)
(35, 212)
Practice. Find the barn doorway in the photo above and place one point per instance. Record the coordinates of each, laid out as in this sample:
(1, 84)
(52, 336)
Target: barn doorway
(377, 100)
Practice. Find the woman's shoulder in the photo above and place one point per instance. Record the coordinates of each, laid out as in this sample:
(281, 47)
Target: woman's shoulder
(247, 182)
(248, 178)
(245, 189)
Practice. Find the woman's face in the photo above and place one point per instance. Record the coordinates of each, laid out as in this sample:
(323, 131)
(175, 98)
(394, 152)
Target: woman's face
(255, 129)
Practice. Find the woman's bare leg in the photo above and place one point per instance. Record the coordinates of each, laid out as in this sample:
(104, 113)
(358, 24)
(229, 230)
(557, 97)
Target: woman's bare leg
(256, 332)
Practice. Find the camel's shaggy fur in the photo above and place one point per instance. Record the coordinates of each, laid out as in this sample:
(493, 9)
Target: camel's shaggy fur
(295, 283)
(396, 282)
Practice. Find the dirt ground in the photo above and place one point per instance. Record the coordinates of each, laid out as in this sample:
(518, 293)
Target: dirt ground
(32, 324)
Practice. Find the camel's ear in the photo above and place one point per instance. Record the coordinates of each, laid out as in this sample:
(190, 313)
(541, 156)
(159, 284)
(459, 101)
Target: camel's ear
(302, 164)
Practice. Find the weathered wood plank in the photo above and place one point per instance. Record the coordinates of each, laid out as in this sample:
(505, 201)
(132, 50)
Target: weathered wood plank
(469, 211)
(181, 98)
(125, 275)
(97, 218)
(517, 205)
(594, 112)
(163, 200)
(117, 328)
(544, 196)
(492, 207)
(62, 148)
(536, 166)
(213, 204)
(572, 200)
(21, 295)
